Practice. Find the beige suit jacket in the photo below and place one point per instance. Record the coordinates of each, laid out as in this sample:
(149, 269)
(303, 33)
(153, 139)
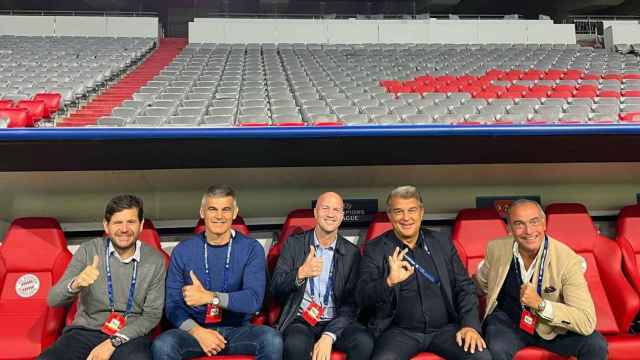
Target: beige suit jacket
(563, 285)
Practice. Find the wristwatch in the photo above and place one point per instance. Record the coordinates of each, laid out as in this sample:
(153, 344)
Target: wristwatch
(215, 300)
(117, 340)
(541, 306)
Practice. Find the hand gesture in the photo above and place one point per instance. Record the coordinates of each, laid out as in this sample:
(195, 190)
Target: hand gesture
(529, 297)
(399, 270)
(102, 352)
(322, 348)
(209, 340)
(195, 294)
(88, 276)
(312, 265)
(470, 339)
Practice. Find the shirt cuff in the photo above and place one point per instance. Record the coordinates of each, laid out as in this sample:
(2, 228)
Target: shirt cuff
(331, 335)
(224, 299)
(70, 289)
(547, 314)
(299, 282)
(188, 325)
(123, 336)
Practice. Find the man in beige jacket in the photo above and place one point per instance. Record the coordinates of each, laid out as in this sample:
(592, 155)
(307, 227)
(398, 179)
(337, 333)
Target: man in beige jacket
(536, 292)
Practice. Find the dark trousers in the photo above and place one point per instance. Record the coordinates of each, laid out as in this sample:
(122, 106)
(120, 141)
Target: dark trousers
(399, 344)
(300, 337)
(77, 343)
(504, 339)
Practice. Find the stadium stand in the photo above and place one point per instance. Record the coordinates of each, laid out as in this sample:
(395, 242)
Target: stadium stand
(33, 257)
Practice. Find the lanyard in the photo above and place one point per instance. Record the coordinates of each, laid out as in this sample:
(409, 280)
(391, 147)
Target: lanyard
(132, 288)
(434, 279)
(225, 275)
(540, 269)
(327, 291)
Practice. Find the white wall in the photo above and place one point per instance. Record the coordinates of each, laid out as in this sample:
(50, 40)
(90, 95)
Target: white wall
(220, 30)
(621, 33)
(79, 26)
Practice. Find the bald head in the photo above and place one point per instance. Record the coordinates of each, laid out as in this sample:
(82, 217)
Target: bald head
(329, 212)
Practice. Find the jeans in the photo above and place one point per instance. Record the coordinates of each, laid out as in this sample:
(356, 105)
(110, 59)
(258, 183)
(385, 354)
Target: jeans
(504, 339)
(263, 342)
(77, 343)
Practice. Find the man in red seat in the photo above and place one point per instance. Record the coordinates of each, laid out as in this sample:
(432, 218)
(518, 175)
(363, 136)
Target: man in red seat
(315, 279)
(417, 288)
(536, 292)
(119, 284)
(215, 283)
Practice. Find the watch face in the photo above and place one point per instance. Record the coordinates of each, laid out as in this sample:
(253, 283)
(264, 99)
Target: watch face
(116, 341)
(216, 301)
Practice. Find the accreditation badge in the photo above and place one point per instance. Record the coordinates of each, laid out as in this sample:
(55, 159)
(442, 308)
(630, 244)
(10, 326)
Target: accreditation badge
(213, 315)
(528, 321)
(313, 313)
(114, 323)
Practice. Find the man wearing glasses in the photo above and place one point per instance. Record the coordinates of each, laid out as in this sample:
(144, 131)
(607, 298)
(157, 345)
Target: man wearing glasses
(536, 292)
(215, 283)
(420, 294)
(315, 279)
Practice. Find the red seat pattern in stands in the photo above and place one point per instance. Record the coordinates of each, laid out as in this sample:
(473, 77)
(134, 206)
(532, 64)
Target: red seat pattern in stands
(51, 100)
(37, 108)
(33, 257)
(17, 117)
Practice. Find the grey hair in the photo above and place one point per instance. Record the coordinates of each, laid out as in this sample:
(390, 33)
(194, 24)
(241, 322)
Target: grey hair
(525, 202)
(404, 192)
(218, 191)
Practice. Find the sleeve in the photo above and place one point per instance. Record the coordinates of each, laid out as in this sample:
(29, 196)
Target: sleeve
(464, 291)
(576, 313)
(175, 307)
(284, 279)
(372, 288)
(152, 308)
(248, 300)
(481, 276)
(348, 309)
(59, 295)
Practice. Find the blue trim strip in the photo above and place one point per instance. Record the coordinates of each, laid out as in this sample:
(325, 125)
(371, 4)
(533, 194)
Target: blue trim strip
(98, 134)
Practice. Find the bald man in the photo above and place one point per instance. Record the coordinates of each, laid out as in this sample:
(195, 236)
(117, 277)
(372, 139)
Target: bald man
(315, 279)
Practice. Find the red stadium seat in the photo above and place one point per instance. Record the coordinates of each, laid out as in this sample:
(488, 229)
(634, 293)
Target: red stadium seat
(52, 101)
(33, 257)
(37, 108)
(379, 225)
(615, 300)
(628, 239)
(238, 225)
(6, 104)
(17, 117)
(298, 221)
(472, 231)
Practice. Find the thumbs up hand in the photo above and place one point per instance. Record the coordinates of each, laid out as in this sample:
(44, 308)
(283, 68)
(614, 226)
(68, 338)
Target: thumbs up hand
(88, 276)
(312, 265)
(195, 294)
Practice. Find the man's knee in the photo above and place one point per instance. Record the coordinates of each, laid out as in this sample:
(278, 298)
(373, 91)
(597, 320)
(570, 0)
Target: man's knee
(595, 347)
(480, 355)
(137, 349)
(166, 346)
(361, 345)
(499, 349)
(270, 340)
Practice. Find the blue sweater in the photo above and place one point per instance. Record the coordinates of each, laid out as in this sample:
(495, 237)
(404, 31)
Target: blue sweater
(247, 279)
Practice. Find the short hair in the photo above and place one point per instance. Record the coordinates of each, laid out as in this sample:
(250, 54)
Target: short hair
(404, 192)
(123, 202)
(525, 202)
(218, 191)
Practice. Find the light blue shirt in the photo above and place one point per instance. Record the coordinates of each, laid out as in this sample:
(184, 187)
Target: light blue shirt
(321, 281)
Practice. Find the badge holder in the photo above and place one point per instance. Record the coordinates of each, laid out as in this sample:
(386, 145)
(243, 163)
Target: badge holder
(114, 323)
(313, 313)
(528, 321)
(213, 315)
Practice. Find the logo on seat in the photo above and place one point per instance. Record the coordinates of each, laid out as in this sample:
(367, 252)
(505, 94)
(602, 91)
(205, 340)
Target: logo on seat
(27, 285)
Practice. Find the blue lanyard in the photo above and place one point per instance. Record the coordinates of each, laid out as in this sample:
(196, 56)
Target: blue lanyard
(327, 291)
(132, 288)
(227, 270)
(420, 269)
(540, 269)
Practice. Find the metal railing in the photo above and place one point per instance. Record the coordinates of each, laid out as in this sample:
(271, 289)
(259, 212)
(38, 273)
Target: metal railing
(426, 16)
(592, 24)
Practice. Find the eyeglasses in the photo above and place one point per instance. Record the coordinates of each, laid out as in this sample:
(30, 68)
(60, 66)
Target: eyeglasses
(329, 209)
(533, 223)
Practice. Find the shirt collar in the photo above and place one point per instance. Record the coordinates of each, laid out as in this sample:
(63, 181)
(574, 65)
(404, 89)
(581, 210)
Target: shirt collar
(317, 244)
(136, 254)
(517, 255)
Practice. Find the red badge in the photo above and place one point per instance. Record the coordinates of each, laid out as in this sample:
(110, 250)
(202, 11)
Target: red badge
(313, 313)
(528, 321)
(114, 323)
(213, 315)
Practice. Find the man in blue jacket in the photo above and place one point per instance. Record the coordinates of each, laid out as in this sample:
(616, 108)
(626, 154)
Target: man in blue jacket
(215, 283)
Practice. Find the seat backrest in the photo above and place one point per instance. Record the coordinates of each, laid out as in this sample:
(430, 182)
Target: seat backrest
(52, 101)
(472, 231)
(149, 235)
(238, 225)
(17, 117)
(616, 302)
(628, 238)
(379, 225)
(298, 221)
(33, 257)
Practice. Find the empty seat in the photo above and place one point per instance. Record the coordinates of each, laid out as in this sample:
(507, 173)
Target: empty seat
(51, 100)
(34, 256)
(628, 238)
(17, 117)
(297, 221)
(37, 108)
(111, 121)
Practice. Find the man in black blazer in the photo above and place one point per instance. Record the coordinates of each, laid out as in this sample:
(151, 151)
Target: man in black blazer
(315, 279)
(417, 290)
